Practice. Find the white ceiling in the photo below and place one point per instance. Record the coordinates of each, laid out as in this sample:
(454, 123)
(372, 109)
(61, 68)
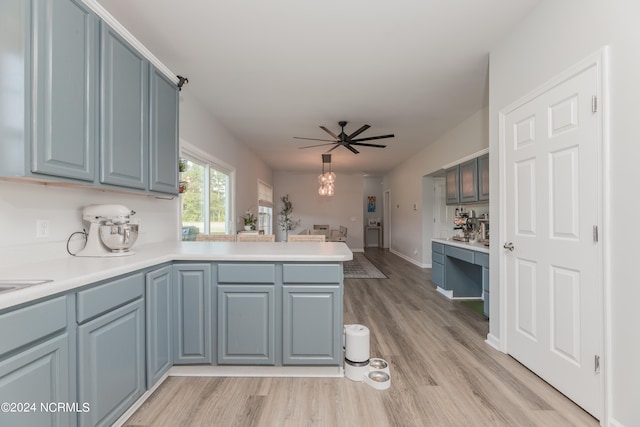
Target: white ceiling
(272, 70)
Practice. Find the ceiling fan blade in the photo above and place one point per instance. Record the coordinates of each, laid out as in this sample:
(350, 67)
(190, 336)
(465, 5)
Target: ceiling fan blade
(359, 131)
(367, 145)
(351, 148)
(330, 133)
(372, 138)
(313, 139)
(333, 148)
(318, 145)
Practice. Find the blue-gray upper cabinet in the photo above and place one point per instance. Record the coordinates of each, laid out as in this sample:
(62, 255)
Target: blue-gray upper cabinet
(48, 124)
(483, 178)
(192, 302)
(159, 325)
(124, 130)
(452, 187)
(469, 181)
(34, 363)
(163, 142)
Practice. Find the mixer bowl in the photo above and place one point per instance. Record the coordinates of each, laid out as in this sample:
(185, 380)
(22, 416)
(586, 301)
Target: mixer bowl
(119, 238)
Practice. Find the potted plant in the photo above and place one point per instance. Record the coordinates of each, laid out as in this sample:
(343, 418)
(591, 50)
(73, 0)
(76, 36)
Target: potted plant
(249, 220)
(286, 221)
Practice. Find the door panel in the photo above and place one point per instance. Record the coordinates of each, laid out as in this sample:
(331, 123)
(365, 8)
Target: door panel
(553, 282)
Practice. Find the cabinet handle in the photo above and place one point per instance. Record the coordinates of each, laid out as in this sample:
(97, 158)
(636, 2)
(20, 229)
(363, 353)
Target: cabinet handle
(509, 246)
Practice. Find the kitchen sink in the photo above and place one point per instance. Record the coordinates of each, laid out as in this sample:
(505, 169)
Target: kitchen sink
(13, 285)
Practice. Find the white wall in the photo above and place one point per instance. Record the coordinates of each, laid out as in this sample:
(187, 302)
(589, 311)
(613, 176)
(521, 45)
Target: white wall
(343, 208)
(405, 181)
(201, 129)
(556, 35)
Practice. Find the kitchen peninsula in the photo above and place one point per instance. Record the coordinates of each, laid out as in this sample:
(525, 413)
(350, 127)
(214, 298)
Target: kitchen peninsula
(235, 307)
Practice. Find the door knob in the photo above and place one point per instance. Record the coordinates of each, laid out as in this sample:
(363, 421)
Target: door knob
(509, 246)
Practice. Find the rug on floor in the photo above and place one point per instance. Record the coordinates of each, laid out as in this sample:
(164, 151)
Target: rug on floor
(361, 268)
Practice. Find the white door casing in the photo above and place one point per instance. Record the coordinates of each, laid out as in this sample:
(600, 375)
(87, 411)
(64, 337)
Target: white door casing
(552, 281)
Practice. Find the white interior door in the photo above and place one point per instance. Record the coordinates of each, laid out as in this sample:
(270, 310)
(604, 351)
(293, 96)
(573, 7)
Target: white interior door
(554, 269)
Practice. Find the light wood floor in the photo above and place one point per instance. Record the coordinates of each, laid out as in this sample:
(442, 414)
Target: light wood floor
(442, 373)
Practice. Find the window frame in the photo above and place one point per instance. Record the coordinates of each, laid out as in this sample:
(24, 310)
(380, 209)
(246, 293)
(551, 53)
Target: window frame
(195, 154)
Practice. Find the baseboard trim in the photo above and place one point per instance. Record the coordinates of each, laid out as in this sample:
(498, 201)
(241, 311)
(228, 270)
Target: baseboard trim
(138, 403)
(448, 294)
(257, 371)
(411, 260)
(493, 341)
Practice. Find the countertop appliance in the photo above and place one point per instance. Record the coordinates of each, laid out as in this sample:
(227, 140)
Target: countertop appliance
(111, 233)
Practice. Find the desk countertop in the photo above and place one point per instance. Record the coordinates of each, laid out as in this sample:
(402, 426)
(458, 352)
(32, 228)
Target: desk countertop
(475, 246)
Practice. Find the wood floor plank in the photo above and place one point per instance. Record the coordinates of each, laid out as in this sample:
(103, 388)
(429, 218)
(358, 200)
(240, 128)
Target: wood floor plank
(442, 373)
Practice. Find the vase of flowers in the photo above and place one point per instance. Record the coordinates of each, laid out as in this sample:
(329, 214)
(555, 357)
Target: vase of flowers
(249, 220)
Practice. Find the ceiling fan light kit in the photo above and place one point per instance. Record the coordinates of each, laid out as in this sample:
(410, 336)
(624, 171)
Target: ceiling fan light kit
(347, 141)
(326, 180)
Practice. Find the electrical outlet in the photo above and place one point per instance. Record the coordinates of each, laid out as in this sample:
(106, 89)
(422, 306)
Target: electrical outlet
(42, 228)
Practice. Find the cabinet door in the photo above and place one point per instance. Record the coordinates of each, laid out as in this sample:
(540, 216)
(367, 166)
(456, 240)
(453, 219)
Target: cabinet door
(192, 313)
(38, 374)
(483, 177)
(246, 332)
(311, 325)
(159, 324)
(437, 274)
(111, 373)
(452, 185)
(469, 181)
(66, 89)
(163, 138)
(124, 135)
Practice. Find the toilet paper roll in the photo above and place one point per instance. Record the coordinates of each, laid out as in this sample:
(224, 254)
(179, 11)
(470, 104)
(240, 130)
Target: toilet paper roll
(357, 343)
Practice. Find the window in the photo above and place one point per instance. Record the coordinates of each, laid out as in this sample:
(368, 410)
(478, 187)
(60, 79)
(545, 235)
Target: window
(265, 207)
(207, 197)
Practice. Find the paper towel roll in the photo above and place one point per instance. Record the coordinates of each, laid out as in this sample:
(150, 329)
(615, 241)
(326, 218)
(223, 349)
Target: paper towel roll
(357, 343)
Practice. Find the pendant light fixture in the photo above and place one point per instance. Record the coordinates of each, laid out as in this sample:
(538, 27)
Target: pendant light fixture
(326, 180)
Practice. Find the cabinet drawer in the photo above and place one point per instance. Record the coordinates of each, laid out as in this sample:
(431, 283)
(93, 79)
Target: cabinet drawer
(463, 254)
(481, 259)
(246, 273)
(31, 323)
(311, 273)
(98, 300)
(438, 258)
(437, 247)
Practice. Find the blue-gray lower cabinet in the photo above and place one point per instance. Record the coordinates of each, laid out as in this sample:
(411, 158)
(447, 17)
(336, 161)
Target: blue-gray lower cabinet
(34, 364)
(111, 363)
(192, 304)
(159, 325)
(310, 317)
(437, 264)
(246, 328)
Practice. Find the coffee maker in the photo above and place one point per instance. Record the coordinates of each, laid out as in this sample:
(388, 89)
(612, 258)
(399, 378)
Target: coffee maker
(111, 233)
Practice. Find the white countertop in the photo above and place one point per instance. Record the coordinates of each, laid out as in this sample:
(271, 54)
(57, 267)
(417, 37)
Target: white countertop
(475, 246)
(71, 272)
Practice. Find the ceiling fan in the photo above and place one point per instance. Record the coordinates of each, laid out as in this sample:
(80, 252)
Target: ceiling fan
(345, 140)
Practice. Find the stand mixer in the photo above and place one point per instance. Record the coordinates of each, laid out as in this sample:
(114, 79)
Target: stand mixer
(111, 232)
